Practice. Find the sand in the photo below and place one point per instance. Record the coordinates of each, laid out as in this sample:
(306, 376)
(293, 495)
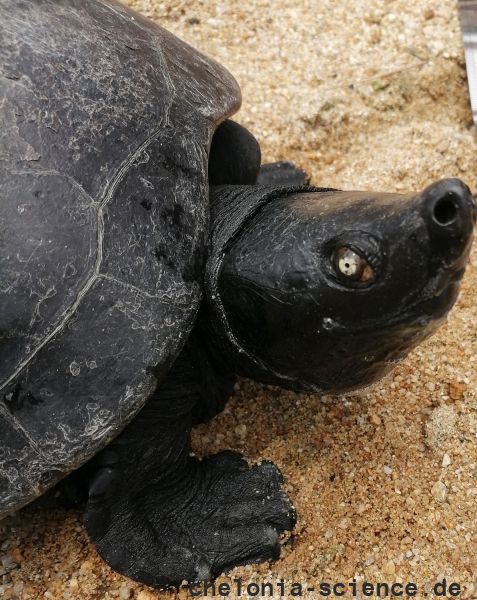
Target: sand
(365, 94)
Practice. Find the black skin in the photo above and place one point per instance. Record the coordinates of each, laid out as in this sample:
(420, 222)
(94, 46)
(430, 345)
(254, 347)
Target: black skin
(162, 516)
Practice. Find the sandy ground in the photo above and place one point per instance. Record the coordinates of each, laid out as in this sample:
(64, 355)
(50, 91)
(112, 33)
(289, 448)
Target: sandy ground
(364, 94)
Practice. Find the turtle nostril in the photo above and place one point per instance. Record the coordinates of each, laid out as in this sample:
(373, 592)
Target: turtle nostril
(445, 210)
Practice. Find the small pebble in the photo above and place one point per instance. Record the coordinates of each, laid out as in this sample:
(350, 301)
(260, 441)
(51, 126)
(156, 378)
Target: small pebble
(389, 568)
(439, 491)
(387, 470)
(446, 460)
(456, 389)
(440, 426)
(241, 430)
(375, 419)
(74, 583)
(124, 593)
(343, 524)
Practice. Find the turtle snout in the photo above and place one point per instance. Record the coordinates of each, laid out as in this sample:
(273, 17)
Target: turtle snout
(450, 213)
(450, 209)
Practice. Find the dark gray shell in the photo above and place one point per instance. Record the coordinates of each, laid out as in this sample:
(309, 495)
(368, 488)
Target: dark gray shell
(106, 121)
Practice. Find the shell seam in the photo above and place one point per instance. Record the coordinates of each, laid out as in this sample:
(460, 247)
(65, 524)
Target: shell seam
(101, 203)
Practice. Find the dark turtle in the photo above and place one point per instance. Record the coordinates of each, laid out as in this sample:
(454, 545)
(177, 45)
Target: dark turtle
(125, 317)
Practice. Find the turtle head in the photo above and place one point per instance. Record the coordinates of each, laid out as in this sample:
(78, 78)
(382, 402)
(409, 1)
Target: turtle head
(326, 291)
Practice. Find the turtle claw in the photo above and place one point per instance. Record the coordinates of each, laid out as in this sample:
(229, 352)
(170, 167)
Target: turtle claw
(224, 514)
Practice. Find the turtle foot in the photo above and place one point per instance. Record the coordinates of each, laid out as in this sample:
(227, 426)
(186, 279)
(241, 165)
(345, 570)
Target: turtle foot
(221, 514)
(282, 173)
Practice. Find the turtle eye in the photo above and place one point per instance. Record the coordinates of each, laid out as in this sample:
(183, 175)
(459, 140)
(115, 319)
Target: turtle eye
(348, 263)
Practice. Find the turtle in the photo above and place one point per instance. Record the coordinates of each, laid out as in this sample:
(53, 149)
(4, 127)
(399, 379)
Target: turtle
(148, 259)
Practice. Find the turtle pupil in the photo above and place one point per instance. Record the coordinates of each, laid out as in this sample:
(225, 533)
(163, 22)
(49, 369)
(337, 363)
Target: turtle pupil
(352, 265)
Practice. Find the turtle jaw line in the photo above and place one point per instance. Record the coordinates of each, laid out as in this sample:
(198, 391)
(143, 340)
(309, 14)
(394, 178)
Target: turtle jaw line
(414, 315)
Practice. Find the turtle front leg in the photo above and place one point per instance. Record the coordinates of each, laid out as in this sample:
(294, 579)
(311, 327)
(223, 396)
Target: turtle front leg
(161, 516)
(235, 159)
